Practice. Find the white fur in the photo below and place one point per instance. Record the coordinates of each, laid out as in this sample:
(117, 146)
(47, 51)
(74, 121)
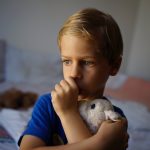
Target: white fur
(94, 116)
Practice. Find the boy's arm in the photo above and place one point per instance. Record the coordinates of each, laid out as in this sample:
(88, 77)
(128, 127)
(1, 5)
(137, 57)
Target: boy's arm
(34, 143)
(111, 136)
(74, 127)
(64, 99)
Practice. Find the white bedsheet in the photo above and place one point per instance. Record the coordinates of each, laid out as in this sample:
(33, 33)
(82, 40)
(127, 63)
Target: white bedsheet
(15, 121)
(8, 146)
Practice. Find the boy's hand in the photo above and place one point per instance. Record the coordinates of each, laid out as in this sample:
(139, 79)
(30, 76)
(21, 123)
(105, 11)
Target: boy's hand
(114, 135)
(64, 96)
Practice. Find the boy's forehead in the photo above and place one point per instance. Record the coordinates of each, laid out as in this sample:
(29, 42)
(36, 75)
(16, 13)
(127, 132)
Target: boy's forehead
(72, 45)
(79, 56)
(80, 53)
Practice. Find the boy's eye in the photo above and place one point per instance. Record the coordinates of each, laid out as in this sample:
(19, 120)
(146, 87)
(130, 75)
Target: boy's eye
(87, 63)
(66, 62)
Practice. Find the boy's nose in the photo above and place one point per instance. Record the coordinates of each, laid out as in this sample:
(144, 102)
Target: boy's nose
(76, 72)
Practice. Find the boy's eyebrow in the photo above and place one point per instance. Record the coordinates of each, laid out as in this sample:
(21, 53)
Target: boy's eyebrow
(84, 57)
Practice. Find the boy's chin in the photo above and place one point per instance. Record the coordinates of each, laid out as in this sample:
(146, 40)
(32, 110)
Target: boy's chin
(82, 97)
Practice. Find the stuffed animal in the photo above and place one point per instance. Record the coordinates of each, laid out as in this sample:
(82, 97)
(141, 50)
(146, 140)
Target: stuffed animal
(17, 99)
(96, 111)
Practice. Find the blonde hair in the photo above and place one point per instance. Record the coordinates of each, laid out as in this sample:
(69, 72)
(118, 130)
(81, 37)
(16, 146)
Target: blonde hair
(96, 27)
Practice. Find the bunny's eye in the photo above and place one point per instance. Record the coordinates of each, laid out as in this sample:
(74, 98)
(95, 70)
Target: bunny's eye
(92, 106)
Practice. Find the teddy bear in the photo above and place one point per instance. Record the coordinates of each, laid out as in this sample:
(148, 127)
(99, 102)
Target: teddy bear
(96, 111)
(17, 99)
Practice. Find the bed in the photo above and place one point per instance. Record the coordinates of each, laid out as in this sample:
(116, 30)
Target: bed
(131, 94)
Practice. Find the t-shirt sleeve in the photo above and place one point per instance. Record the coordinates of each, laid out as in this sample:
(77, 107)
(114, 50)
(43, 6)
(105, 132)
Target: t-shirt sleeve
(40, 122)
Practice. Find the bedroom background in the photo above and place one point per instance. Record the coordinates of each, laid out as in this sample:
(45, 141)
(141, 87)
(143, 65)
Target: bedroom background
(29, 58)
(33, 26)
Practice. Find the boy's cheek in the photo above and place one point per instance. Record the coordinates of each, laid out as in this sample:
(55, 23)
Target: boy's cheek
(65, 73)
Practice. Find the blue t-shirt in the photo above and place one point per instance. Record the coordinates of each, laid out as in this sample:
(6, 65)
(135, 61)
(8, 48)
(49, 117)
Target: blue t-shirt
(45, 123)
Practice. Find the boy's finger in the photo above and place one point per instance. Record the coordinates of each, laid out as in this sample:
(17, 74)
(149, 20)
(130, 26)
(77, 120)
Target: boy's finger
(120, 124)
(65, 85)
(124, 122)
(108, 121)
(72, 82)
(53, 94)
(58, 88)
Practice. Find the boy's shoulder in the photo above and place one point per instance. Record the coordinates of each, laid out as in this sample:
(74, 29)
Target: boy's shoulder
(44, 103)
(44, 98)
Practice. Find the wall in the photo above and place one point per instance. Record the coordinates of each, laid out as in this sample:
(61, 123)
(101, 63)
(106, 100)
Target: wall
(139, 59)
(32, 25)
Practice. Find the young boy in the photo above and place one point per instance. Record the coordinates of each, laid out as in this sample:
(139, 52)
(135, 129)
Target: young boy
(91, 50)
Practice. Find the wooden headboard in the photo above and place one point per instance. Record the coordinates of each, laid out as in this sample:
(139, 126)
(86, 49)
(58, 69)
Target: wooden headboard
(2, 59)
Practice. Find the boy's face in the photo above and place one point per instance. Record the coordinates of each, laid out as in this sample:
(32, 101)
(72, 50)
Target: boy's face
(85, 65)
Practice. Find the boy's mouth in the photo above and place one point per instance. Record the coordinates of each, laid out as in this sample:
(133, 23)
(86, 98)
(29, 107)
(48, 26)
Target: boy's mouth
(79, 91)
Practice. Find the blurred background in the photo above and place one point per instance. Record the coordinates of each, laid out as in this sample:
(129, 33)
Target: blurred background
(31, 26)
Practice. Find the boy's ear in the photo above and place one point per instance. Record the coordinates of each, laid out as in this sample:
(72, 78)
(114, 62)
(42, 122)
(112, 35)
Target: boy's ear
(115, 66)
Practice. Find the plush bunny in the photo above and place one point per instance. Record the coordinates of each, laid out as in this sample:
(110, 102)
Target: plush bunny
(96, 111)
